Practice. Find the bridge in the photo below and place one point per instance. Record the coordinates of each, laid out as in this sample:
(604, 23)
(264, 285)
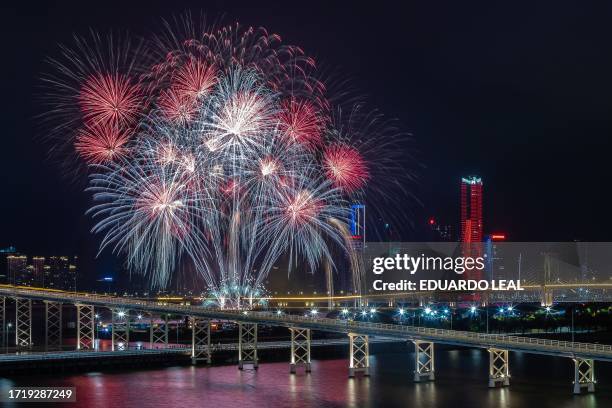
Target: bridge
(171, 349)
(359, 333)
(546, 294)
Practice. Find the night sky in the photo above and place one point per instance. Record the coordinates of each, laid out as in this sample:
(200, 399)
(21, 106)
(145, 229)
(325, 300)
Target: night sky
(520, 94)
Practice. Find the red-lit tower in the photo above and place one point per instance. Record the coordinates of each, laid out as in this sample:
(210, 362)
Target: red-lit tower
(471, 224)
(471, 209)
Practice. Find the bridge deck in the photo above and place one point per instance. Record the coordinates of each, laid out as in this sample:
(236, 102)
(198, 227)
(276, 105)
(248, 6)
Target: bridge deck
(454, 337)
(173, 350)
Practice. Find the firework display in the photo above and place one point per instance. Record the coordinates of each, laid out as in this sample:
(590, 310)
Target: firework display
(219, 146)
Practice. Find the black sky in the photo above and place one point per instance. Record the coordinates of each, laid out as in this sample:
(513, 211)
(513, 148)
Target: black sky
(519, 93)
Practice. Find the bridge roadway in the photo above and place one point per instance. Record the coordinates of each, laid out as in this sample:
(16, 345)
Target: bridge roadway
(181, 349)
(574, 350)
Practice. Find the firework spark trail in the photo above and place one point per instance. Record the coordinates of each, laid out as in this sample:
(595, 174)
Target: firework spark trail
(149, 212)
(299, 219)
(219, 147)
(300, 122)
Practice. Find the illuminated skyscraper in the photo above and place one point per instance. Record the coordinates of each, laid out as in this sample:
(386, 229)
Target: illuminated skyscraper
(471, 223)
(471, 209)
(357, 223)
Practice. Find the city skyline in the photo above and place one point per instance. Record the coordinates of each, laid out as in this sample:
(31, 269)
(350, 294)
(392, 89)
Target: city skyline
(53, 272)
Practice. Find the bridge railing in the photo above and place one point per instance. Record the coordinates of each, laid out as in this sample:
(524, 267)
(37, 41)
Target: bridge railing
(493, 339)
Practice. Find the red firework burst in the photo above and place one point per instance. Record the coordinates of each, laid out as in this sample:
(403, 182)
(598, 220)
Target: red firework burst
(98, 144)
(299, 122)
(195, 79)
(345, 166)
(110, 99)
(176, 106)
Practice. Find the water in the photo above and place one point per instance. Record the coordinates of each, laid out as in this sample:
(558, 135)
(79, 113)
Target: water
(461, 381)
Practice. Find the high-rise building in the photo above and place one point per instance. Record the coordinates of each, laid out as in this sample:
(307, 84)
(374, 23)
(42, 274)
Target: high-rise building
(61, 273)
(471, 223)
(357, 226)
(494, 262)
(17, 269)
(471, 209)
(38, 270)
(357, 222)
(70, 277)
(4, 254)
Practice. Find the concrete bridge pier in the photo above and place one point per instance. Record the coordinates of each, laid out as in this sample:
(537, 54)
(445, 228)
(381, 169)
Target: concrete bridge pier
(85, 327)
(200, 340)
(359, 354)
(23, 323)
(300, 349)
(423, 360)
(158, 333)
(584, 375)
(53, 325)
(499, 367)
(247, 345)
(120, 333)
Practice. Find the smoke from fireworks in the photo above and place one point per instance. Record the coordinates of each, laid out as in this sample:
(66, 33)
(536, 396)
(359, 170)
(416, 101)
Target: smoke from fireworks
(218, 146)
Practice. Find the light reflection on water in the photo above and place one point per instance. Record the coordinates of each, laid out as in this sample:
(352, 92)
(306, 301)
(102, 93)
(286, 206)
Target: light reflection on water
(461, 381)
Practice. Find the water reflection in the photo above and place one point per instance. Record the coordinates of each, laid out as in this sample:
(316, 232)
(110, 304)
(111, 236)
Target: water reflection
(425, 394)
(461, 381)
